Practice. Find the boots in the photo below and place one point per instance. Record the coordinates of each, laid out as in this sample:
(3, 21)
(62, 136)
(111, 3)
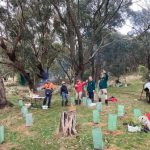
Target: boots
(99, 99)
(79, 102)
(62, 103)
(66, 102)
(106, 102)
(76, 102)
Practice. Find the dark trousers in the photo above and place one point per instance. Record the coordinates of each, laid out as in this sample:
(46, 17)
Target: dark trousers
(91, 96)
(47, 99)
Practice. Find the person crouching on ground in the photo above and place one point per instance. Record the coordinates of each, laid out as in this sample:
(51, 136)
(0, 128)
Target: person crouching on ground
(64, 94)
(79, 90)
(103, 86)
(91, 88)
(49, 87)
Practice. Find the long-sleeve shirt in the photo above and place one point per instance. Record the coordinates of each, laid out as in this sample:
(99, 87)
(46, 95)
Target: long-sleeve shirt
(103, 81)
(91, 86)
(79, 86)
(63, 89)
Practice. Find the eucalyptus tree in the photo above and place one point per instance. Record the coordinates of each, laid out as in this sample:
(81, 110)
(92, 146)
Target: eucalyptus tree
(82, 24)
(27, 38)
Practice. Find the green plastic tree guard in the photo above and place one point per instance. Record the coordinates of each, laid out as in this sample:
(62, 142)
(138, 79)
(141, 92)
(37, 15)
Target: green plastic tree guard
(89, 101)
(1, 134)
(24, 110)
(96, 116)
(84, 99)
(97, 139)
(99, 106)
(20, 103)
(112, 122)
(29, 120)
(72, 99)
(121, 110)
(137, 112)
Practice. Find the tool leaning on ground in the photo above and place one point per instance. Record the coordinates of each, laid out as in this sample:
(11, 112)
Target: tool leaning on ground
(142, 92)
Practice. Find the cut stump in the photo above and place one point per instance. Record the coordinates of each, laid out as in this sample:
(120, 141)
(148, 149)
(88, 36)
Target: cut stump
(68, 123)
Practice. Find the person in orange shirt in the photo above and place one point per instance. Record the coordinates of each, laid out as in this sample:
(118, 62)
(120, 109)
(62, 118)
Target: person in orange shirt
(49, 87)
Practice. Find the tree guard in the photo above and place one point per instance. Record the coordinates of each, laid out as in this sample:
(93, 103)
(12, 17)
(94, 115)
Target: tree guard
(84, 99)
(1, 134)
(97, 139)
(24, 111)
(20, 103)
(29, 120)
(112, 122)
(68, 123)
(96, 116)
(121, 111)
(137, 113)
(99, 106)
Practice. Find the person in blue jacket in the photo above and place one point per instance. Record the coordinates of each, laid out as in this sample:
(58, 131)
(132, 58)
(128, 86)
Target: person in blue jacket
(64, 94)
(103, 86)
(91, 88)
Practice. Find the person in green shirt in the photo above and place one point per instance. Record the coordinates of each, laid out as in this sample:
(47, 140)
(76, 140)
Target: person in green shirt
(91, 88)
(103, 86)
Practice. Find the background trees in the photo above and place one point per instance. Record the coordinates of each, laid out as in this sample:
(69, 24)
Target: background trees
(71, 38)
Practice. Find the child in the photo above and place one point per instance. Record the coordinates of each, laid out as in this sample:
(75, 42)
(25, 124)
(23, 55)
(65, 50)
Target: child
(79, 90)
(91, 88)
(103, 86)
(64, 94)
(49, 87)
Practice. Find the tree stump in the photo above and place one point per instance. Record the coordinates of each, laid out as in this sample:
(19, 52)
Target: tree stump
(68, 123)
(3, 101)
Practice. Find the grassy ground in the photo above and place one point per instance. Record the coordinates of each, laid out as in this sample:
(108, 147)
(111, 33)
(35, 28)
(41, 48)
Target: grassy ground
(43, 134)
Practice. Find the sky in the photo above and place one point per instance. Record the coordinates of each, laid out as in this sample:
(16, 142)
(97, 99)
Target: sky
(136, 6)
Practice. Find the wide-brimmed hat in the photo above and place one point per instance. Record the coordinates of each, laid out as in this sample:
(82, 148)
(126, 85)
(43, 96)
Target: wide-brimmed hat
(63, 82)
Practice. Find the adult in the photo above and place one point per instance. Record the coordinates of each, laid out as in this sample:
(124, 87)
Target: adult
(79, 91)
(147, 86)
(103, 86)
(64, 93)
(91, 88)
(49, 87)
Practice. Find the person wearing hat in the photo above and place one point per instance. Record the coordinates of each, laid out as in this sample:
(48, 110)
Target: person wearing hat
(64, 94)
(49, 87)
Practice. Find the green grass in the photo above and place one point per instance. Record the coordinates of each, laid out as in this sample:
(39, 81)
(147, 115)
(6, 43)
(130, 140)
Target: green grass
(43, 134)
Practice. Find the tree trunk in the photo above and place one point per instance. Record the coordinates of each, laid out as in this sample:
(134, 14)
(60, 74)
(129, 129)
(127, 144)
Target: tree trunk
(68, 123)
(3, 100)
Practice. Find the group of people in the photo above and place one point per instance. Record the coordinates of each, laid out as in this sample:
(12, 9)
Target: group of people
(79, 86)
